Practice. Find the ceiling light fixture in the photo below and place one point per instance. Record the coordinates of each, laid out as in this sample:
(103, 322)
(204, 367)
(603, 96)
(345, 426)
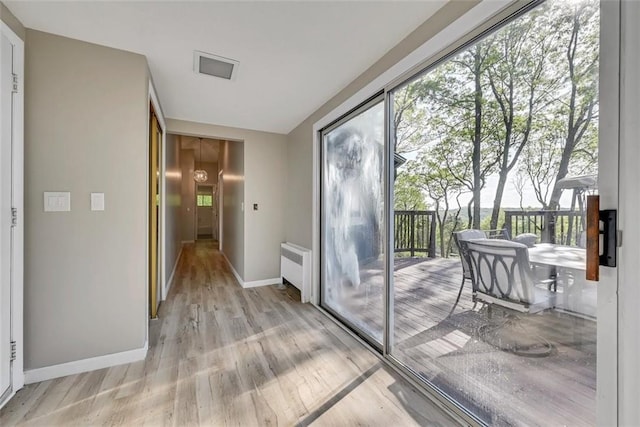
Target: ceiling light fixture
(200, 175)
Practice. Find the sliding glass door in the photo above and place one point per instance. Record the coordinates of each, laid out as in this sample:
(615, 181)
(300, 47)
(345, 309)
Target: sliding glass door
(352, 220)
(477, 287)
(501, 147)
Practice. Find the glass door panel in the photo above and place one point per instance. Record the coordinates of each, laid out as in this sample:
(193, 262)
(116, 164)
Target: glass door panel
(496, 149)
(352, 279)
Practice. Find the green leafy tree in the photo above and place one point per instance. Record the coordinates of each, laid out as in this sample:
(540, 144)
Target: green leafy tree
(450, 112)
(521, 85)
(521, 102)
(580, 107)
(438, 172)
(566, 136)
(407, 194)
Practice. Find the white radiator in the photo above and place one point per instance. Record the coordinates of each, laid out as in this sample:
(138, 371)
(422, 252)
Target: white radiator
(295, 268)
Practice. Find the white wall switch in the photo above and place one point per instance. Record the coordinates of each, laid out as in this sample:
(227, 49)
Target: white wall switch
(57, 201)
(97, 201)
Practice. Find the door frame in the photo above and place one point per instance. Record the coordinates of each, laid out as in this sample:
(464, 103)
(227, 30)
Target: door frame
(162, 279)
(608, 188)
(610, 359)
(153, 99)
(220, 210)
(154, 213)
(628, 296)
(17, 265)
(195, 207)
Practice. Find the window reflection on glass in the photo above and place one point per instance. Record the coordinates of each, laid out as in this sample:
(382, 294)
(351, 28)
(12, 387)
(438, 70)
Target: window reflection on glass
(497, 149)
(353, 222)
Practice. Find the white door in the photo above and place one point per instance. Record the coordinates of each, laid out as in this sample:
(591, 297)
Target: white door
(6, 95)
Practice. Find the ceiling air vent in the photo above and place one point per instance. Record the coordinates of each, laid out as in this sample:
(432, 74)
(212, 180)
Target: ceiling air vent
(212, 65)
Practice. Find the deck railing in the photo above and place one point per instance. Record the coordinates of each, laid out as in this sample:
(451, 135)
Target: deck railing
(560, 227)
(415, 231)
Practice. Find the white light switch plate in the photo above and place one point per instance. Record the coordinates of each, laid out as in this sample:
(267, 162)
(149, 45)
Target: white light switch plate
(57, 201)
(97, 201)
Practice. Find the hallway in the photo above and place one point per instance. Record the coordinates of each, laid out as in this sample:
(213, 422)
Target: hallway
(223, 355)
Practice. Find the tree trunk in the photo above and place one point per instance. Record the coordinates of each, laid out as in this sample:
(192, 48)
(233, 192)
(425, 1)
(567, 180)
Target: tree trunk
(570, 142)
(497, 201)
(441, 221)
(563, 170)
(477, 139)
(453, 230)
(442, 224)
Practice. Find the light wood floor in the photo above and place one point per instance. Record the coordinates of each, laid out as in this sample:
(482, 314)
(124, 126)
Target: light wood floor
(221, 355)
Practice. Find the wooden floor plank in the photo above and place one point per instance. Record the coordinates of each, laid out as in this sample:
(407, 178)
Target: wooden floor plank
(223, 355)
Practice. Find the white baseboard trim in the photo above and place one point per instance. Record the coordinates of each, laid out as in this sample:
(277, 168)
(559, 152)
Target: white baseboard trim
(85, 365)
(167, 285)
(256, 283)
(233, 270)
(253, 283)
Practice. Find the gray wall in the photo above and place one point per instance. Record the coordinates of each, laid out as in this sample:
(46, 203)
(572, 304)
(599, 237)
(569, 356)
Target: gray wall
(173, 195)
(188, 195)
(233, 182)
(299, 226)
(86, 129)
(12, 22)
(264, 179)
(265, 184)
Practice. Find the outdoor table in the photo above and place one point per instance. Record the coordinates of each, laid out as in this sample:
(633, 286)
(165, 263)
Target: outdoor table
(564, 257)
(578, 295)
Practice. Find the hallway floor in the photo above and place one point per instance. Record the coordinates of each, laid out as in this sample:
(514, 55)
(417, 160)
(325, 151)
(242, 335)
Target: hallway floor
(223, 355)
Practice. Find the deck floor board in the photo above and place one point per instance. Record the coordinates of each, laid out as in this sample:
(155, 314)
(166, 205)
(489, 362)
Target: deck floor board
(446, 348)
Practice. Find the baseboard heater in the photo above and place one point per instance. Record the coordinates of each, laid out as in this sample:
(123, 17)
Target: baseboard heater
(295, 268)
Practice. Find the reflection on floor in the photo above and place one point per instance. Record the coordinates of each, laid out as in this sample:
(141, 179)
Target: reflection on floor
(446, 348)
(223, 355)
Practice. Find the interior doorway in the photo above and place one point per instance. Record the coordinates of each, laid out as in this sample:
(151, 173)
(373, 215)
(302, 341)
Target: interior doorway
(200, 162)
(206, 212)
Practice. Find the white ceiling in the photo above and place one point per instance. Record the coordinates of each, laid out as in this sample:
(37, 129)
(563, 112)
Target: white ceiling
(210, 148)
(294, 56)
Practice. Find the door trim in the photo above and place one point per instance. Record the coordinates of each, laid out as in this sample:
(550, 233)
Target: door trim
(17, 266)
(608, 188)
(153, 99)
(154, 208)
(628, 291)
(220, 210)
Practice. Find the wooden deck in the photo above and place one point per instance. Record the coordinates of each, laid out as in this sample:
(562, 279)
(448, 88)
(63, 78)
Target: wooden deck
(447, 349)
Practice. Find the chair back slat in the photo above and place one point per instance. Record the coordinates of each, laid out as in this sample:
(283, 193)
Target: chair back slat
(501, 269)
